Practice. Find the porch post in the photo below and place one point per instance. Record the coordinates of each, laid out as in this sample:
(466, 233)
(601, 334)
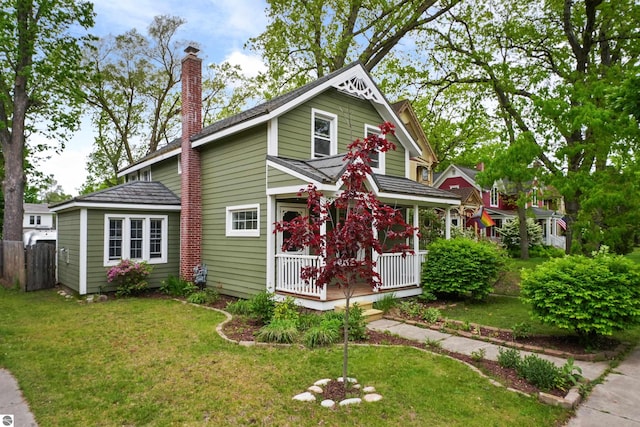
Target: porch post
(447, 223)
(549, 232)
(271, 253)
(416, 245)
(323, 234)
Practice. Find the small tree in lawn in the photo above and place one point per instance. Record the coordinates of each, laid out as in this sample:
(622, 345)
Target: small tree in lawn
(346, 247)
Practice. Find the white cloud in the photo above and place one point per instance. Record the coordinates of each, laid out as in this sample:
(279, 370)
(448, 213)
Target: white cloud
(251, 65)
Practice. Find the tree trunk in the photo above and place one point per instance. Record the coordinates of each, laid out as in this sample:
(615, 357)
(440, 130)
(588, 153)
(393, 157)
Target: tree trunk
(345, 350)
(522, 230)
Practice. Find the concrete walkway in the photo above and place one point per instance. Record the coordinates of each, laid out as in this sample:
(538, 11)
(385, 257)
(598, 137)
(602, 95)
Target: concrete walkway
(614, 403)
(12, 403)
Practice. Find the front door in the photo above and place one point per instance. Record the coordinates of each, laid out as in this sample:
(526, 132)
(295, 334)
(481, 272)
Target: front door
(287, 212)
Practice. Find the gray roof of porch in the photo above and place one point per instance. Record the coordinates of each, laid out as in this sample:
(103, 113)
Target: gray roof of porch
(330, 169)
(135, 192)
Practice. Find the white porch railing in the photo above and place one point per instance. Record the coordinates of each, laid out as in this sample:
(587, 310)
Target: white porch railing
(289, 269)
(557, 241)
(397, 271)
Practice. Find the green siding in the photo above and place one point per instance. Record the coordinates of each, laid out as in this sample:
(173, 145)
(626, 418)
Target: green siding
(234, 175)
(69, 240)
(278, 178)
(97, 272)
(166, 172)
(294, 127)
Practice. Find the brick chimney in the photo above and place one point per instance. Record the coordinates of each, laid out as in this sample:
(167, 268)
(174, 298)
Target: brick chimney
(480, 166)
(191, 194)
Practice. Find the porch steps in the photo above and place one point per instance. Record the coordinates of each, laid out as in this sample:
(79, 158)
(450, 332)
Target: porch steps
(368, 312)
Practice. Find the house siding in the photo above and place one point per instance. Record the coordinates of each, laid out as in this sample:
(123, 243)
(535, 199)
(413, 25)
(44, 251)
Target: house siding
(97, 272)
(166, 172)
(277, 178)
(69, 248)
(234, 175)
(294, 127)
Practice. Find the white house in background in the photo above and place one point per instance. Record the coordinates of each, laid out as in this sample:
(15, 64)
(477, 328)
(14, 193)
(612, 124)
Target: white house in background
(38, 224)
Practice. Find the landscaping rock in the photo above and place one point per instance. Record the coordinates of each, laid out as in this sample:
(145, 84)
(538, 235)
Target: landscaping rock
(349, 379)
(373, 397)
(328, 403)
(351, 401)
(322, 382)
(315, 389)
(369, 389)
(305, 397)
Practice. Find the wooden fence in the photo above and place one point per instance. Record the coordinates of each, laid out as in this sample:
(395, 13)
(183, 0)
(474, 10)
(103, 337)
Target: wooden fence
(32, 268)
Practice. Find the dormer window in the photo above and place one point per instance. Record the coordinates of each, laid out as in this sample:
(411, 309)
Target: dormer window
(145, 174)
(325, 134)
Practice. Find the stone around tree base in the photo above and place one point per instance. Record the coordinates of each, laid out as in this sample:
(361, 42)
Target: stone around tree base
(373, 397)
(305, 397)
(351, 401)
(328, 403)
(315, 389)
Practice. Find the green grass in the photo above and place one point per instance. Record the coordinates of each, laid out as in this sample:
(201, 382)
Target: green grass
(161, 363)
(634, 256)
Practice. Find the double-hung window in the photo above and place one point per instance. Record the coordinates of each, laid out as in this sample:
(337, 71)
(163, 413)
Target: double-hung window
(243, 221)
(494, 196)
(376, 157)
(142, 238)
(325, 134)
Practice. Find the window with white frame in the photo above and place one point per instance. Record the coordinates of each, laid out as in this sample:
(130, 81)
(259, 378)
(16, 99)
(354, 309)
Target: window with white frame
(534, 197)
(494, 196)
(243, 221)
(142, 238)
(377, 158)
(32, 220)
(145, 174)
(325, 134)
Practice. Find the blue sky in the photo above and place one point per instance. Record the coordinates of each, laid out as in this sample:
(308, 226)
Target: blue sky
(220, 27)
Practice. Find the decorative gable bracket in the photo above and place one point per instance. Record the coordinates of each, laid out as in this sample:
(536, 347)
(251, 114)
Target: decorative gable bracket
(358, 87)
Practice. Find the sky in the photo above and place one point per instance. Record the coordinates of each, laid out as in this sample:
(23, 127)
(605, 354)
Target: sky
(220, 27)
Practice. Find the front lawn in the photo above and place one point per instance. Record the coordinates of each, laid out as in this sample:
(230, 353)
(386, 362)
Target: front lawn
(159, 362)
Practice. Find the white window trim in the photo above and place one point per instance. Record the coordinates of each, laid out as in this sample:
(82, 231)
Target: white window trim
(179, 164)
(491, 201)
(454, 187)
(141, 172)
(126, 238)
(333, 133)
(230, 232)
(381, 156)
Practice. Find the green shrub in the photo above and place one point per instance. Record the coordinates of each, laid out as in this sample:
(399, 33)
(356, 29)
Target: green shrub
(386, 303)
(543, 251)
(130, 277)
(286, 310)
(462, 267)
(177, 287)
(262, 306)
(521, 330)
(590, 296)
(410, 308)
(539, 372)
(430, 314)
(240, 307)
(508, 357)
(308, 320)
(326, 333)
(282, 331)
(357, 322)
(206, 296)
(569, 375)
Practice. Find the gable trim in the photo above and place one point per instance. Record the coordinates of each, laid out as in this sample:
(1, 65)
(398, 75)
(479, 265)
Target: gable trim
(148, 163)
(84, 205)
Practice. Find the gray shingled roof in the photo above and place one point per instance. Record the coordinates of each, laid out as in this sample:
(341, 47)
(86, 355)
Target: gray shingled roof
(135, 192)
(330, 169)
(267, 107)
(173, 145)
(396, 184)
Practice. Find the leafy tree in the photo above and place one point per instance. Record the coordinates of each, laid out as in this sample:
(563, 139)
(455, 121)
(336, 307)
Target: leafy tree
(305, 40)
(510, 233)
(545, 71)
(40, 71)
(342, 246)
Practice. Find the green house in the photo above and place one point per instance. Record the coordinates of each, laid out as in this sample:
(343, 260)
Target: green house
(213, 196)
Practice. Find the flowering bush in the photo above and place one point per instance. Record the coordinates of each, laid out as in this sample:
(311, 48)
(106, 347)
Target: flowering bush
(129, 276)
